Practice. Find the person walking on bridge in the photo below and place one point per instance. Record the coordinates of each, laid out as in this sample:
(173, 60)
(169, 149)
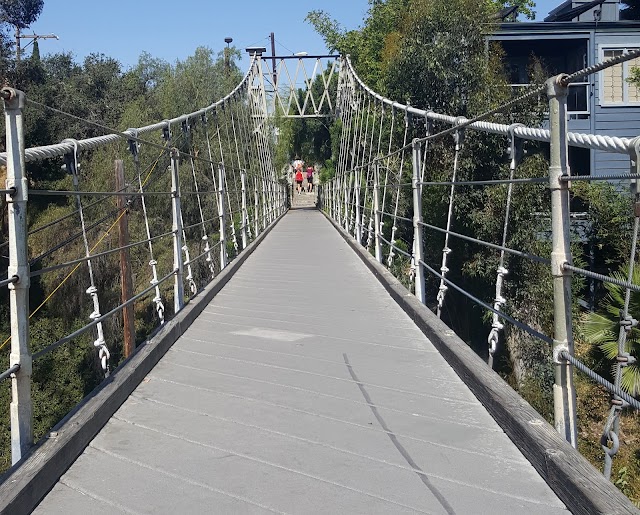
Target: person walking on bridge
(297, 170)
(310, 171)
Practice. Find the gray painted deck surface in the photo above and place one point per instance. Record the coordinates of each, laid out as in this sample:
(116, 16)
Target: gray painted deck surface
(302, 388)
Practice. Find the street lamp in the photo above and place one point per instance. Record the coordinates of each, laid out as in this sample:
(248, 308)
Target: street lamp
(228, 41)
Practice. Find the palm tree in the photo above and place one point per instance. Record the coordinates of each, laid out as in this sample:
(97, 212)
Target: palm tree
(602, 328)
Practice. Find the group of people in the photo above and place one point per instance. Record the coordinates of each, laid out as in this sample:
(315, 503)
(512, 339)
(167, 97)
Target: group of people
(300, 174)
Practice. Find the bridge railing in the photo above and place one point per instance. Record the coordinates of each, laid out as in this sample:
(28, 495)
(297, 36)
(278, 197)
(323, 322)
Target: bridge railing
(383, 196)
(190, 194)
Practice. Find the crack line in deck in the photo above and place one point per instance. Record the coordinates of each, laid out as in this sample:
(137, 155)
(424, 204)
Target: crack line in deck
(419, 472)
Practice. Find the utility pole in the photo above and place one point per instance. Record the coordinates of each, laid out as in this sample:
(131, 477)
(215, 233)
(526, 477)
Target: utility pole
(273, 62)
(18, 44)
(32, 37)
(125, 263)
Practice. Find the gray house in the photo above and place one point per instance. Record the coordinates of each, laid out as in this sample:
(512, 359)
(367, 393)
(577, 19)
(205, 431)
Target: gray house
(576, 34)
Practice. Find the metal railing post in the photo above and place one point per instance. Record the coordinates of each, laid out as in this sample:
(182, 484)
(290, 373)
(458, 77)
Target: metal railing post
(376, 211)
(20, 408)
(178, 264)
(222, 216)
(417, 220)
(278, 207)
(283, 199)
(256, 207)
(337, 184)
(339, 202)
(245, 216)
(264, 203)
(267, 200)
(270, 201)
(332, 191)
(347, 183)
(564, 394)
(358, 220)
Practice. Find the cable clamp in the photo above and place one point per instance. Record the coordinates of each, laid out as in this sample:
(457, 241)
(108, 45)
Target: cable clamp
(497, 325)
(625, 359)
(559, 348)
(71, 165)
(628, 322)
(166, 130)
(134, 145)
(618, 403)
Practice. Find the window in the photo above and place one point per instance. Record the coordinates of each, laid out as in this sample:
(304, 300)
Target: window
(614, 89)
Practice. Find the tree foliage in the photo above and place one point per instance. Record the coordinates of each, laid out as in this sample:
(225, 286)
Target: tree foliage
(20, 13)
(525, 7)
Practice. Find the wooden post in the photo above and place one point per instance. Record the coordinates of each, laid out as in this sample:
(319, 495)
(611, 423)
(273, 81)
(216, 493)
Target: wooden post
(125, 263)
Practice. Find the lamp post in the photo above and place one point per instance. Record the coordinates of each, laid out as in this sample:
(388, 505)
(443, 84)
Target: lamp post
(227, 67)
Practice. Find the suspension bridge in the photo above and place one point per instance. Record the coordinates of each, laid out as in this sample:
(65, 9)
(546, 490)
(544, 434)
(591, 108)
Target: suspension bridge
(298, 362)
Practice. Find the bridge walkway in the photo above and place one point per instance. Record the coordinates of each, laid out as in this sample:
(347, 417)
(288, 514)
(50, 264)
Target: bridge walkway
(302, 388)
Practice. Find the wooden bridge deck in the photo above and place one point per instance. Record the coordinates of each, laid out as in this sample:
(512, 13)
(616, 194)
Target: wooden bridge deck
(302, 388)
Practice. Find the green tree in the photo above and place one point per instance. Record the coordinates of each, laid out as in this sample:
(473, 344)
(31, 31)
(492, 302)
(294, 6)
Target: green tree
(20, 13)
(366, 46)
(525, 7)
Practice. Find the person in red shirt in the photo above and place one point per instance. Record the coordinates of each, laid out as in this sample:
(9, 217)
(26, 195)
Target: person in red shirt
(297, 166)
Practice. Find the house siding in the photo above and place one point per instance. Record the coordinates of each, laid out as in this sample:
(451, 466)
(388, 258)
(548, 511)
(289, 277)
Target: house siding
(621, 121)
(612, 120)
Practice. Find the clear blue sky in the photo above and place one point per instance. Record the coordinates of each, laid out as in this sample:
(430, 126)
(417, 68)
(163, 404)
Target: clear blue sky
(172, 30)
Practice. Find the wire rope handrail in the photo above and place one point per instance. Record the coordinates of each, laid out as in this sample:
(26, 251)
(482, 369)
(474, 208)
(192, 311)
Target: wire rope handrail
(60, 149)
(597, 142)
